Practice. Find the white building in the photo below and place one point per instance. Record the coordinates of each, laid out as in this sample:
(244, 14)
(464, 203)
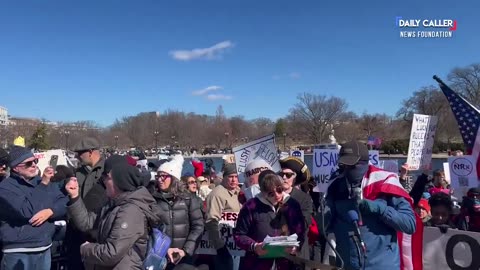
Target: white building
(3, 116)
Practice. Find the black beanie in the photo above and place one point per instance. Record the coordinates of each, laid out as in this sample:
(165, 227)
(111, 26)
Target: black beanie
(113, 161)
(126, 177)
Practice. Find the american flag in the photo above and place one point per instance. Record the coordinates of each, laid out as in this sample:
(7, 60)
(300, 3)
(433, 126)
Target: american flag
(468, 119)
(376, 182)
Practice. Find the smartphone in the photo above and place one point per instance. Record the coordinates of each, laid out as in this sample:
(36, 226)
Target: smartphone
(176, 258)
(53, 161)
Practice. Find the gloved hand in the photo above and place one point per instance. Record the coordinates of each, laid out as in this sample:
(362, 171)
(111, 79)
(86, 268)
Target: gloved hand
(223, 251)
(377, 206)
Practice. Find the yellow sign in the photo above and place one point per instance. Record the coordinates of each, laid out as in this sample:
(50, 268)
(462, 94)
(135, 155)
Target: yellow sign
(19, 141)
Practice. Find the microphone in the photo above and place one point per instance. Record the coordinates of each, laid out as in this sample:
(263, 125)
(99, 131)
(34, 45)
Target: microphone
(352, 214)
(357, 196)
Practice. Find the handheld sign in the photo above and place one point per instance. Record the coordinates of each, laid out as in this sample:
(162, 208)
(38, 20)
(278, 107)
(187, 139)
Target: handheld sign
(453, 249)
(325, 162)
(463, 174)
(421, 142)
(263, 148)
(300, 154)
(226, 225)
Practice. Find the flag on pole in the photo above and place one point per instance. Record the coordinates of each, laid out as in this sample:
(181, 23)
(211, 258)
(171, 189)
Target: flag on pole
(468, 119)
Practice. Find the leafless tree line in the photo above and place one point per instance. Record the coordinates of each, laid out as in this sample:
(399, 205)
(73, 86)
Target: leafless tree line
(309, 122)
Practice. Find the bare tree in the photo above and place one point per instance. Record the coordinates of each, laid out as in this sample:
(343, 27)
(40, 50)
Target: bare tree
(428, 100)
(315, 114)
(466, 81)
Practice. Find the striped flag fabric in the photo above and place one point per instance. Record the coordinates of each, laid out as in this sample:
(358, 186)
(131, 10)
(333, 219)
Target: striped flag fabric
(468, 119)
(377, 181)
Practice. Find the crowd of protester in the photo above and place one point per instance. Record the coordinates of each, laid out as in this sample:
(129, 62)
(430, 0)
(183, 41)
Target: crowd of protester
(103, 210)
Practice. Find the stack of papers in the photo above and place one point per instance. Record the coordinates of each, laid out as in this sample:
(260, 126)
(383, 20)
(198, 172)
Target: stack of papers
(275, 246)
(283, 241)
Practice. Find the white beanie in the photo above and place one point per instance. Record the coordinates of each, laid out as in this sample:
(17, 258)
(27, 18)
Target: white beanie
(173, 167)
(256, 166)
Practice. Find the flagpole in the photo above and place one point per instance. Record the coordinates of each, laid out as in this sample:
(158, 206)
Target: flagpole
(436, 78)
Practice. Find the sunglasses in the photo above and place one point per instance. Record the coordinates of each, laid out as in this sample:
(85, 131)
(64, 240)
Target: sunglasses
(162, 176)
(191, 182)
(29, 164)
(278, 190)
(288, 175)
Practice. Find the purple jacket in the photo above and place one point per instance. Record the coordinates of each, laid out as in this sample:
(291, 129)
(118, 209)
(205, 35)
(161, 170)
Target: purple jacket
(257, 219)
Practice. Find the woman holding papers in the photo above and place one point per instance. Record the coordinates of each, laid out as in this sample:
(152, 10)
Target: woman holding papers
(270, 213)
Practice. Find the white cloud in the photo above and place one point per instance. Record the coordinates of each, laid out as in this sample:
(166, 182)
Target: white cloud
(213, 52)
(206, 90)
(294, 75)
(214, 97)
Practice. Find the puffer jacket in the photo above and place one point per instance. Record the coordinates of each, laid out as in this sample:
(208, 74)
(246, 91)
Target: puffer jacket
(182, 218)
(122, 230)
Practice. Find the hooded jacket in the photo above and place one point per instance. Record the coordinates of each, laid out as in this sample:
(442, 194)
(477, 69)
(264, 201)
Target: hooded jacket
(259, 218)
(182, 217)
(122, 226)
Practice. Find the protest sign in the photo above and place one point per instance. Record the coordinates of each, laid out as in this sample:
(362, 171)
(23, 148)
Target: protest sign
(263, 148)
(374, 158)
(226, 225)
(324, 164)
(300, 154)
(230, 158)
(451, 250)
(325, 161)
(463, 174)
(52, 158)
(390, 165)
(446, 170)
(422, 136)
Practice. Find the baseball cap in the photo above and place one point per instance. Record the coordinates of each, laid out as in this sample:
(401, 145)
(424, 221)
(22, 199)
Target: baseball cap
(352, 152)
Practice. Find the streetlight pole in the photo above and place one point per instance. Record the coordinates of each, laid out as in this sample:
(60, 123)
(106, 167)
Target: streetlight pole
(116, 142)
(226, 139)
(284, 141)
(156, 140)
(67, 133)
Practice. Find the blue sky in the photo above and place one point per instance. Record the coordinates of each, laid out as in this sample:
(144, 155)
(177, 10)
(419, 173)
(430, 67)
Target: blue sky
(101, 60)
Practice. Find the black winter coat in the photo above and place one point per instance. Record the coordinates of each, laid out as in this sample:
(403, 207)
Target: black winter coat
(182, 218)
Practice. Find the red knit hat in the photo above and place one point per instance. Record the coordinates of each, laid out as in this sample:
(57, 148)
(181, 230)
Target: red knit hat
(197, 167)
(423, 203)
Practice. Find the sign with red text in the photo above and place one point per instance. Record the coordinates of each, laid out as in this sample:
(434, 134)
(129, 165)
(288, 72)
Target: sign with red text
(226, 225)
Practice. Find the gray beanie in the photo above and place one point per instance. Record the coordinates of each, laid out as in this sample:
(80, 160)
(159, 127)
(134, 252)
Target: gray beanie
(18, 154)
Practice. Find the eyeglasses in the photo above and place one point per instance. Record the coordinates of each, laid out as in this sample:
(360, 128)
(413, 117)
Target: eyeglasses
(162, 176)
(29, 164)
(288, 175)
(191, 182)
(278, 190)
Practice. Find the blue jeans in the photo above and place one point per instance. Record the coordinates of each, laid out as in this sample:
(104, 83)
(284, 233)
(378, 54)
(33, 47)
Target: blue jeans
(25, 261)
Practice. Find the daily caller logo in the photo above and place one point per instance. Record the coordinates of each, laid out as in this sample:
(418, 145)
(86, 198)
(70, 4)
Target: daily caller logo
(443, 28)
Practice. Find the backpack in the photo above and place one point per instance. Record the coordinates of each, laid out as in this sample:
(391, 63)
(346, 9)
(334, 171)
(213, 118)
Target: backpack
(157, 247)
